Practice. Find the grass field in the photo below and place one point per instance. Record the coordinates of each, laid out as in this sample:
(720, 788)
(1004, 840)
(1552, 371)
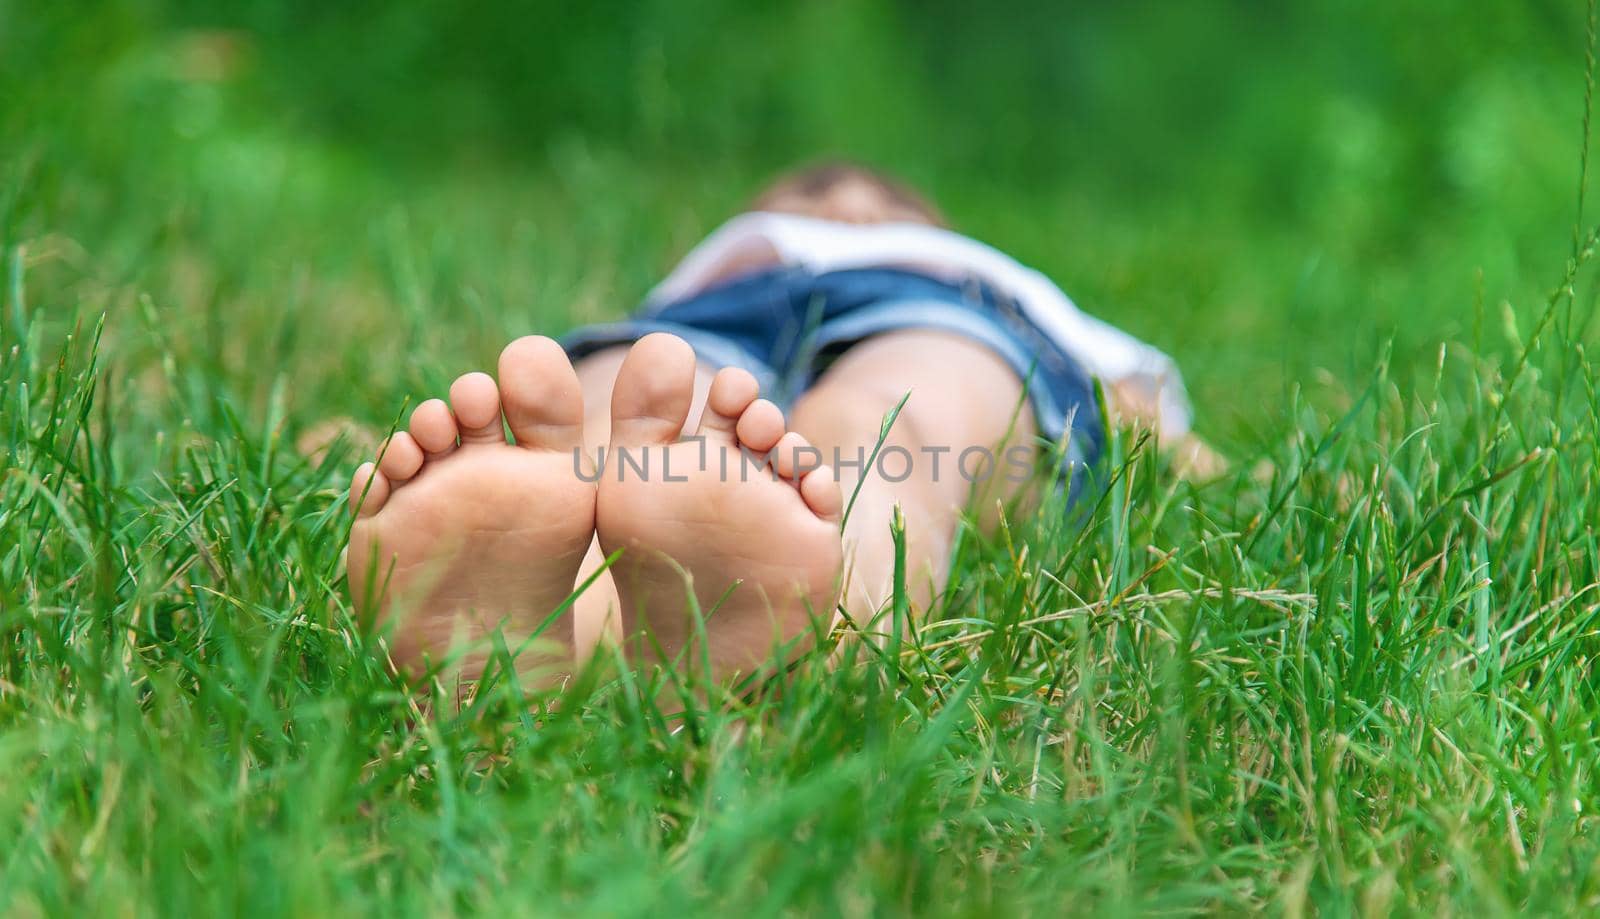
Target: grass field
(1360, 682)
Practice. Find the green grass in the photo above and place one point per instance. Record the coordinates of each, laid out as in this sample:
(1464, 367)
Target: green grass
(1363, 682)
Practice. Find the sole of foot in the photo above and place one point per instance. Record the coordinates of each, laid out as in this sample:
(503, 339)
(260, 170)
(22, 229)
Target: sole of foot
(754, 542)
(459, 533)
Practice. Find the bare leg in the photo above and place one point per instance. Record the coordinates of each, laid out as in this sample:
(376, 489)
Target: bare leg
(468, 538)
(962, 396)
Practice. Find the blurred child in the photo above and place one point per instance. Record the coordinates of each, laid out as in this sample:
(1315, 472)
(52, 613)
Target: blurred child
(664, 438)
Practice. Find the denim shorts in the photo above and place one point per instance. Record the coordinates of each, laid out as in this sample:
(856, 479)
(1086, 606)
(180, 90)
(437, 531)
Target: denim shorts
(786, 324)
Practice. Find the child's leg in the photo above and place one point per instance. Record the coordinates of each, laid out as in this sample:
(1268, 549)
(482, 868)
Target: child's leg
(962, 396)
(475, 531)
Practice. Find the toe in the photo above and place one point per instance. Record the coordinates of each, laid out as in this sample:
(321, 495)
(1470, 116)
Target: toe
(820, 489)
(475, 400)
(760, 426)
(368, 490)
(541, 396)
(434, 428)
(400, 458)
(731, 393)
(654, 388)
(793, 456)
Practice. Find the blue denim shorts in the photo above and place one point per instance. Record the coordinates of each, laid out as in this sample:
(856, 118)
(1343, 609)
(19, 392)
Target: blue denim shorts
(786, 324)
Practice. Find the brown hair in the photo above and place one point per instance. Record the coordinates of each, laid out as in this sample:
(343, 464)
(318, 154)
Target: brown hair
(809, 188)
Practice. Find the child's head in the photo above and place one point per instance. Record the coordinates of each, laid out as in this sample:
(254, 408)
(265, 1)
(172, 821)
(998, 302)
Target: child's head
(846, 192)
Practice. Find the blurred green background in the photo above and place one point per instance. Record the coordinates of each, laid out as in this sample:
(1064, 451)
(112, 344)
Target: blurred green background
(292, 212)
(1266, 191)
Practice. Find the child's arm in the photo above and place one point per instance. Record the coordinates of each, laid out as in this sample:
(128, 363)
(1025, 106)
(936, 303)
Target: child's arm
(1132, 402)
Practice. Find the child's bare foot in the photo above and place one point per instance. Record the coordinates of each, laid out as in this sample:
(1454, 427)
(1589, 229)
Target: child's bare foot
(687, 513)
(461, 532)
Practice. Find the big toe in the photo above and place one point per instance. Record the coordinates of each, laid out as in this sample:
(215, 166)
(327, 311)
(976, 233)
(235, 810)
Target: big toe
(654, 389)
(540, 394)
